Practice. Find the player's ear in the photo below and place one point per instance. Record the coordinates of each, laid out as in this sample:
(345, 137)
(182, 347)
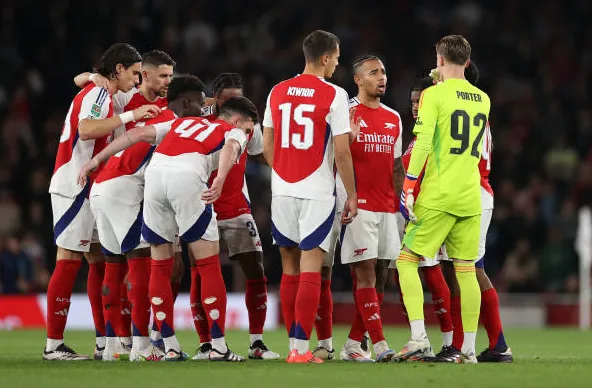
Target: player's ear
(324, 59)
(119, 68)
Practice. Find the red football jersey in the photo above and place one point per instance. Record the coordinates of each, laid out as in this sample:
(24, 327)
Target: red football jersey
(133, 160)
(305, 112)
(234, 199)
(92, 102)
(373, 154)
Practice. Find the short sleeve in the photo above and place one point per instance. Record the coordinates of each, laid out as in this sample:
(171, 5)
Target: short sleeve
(338, 117)
(267, 118)
(255, 145)
(95, 104)
(121, 99)
(161, 130)
(399, 141)
(238, 135)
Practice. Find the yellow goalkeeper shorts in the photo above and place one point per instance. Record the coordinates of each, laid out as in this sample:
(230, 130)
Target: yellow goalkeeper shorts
(434, 228)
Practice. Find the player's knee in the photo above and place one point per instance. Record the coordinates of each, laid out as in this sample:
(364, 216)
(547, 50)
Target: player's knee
(251, 263)
(326, 273)
(484, 281)
(365, 274)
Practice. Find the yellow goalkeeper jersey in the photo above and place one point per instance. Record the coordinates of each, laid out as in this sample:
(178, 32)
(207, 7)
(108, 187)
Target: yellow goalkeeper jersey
(449, 129)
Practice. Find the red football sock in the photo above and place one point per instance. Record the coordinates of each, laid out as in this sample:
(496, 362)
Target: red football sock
(94, 285)
(256, 302)
(200, 320)
(114, 275)
(126, 308)
(324, 323)
(369, 308)
(175, 287)
(490, 316)
(307, 304)
(161, 296)
(288, 291)
(139, 278)
(458, 336)
(59, 292)
(357, 330)
(213, 294)
(440, 296)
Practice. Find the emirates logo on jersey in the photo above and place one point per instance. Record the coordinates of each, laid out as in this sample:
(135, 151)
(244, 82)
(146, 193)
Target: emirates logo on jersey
(375, 142)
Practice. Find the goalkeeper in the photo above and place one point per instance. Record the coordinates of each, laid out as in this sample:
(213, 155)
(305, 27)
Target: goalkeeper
(452, 119)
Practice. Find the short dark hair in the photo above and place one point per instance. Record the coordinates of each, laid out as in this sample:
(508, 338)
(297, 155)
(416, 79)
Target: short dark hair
(184, 83)
(122, 53)
(239, 105)
(318, 43)
(454, 48)
(359, 61)
(157, 58)
(472, 73)
(226, 81)
(422, 84)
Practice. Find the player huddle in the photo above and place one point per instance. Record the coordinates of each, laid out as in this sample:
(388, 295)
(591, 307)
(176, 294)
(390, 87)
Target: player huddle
(144, 172)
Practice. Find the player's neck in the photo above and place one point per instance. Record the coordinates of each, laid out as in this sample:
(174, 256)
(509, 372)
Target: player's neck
(453, 72)
(112, 89)
(148, 93)
(369, 101)
(317, 71)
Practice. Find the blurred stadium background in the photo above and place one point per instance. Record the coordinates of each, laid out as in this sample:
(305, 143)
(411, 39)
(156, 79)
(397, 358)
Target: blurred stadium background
(535, 63)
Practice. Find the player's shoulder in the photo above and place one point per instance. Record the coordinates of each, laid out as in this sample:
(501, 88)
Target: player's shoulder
(209, 111)
(93, 91)
(164, 116)
(388, 111)
(354, 102)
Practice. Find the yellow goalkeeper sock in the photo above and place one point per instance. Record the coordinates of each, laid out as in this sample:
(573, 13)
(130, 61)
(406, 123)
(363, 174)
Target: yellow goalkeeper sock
(407, 264)
(470, 295)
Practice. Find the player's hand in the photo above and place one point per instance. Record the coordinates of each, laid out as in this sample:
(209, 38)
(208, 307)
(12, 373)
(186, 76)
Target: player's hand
(99, 80)
(435, 76)
(211, 194)
(354, 124)
(146, 112)
(350, 210)
(408, 198)
(90, 167)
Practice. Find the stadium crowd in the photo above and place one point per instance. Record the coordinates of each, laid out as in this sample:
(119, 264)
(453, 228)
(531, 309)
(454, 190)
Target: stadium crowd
(537, 73)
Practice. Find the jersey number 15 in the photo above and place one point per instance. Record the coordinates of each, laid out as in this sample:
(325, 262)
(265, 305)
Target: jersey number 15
(459, 130)
(299, 141)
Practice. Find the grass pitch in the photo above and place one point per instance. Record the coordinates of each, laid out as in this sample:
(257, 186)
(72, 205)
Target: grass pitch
(543, 358)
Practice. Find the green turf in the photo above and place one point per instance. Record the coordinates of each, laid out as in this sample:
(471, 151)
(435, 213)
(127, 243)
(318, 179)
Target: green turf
(544, 358)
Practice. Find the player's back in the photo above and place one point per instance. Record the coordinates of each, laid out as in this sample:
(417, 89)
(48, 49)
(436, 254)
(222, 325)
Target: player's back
(304, 112)
(459, 113)
(191, 144)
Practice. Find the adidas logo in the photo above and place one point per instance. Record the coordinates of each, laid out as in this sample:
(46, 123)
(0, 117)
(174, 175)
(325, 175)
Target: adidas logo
(198, 318)
(262, 307)
(374, 317)
(62, 313)
(363, 124)
(261, 295)
(126, 312)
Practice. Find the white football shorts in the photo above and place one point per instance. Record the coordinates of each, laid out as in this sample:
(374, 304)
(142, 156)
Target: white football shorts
(240, 234)
(172, 203)
(73, 222)
(371, 235)
(306, 223)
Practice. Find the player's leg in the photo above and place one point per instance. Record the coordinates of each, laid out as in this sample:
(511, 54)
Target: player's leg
(73, 225)
(462, 245)
(159, 230)
(324, 320)
(178, 270)
(498, 350)
(94, 284)
(422, 239)
(200, 320)
(284, 229)
(436, 284)
(315, 221)
(244, 247)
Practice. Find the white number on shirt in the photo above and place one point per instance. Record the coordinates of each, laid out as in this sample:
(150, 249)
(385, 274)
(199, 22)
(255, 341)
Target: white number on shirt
(486, 149)
(299, 141)
(189, 127)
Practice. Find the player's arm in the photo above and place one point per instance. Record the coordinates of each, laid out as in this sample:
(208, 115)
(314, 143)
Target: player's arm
(341, 120)
(268, 140)
(398, 169)
(152, 134)
(235, 142)
(354, 124)
(255, 146)
(82, 79)
(424, 132)
(91, 128)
